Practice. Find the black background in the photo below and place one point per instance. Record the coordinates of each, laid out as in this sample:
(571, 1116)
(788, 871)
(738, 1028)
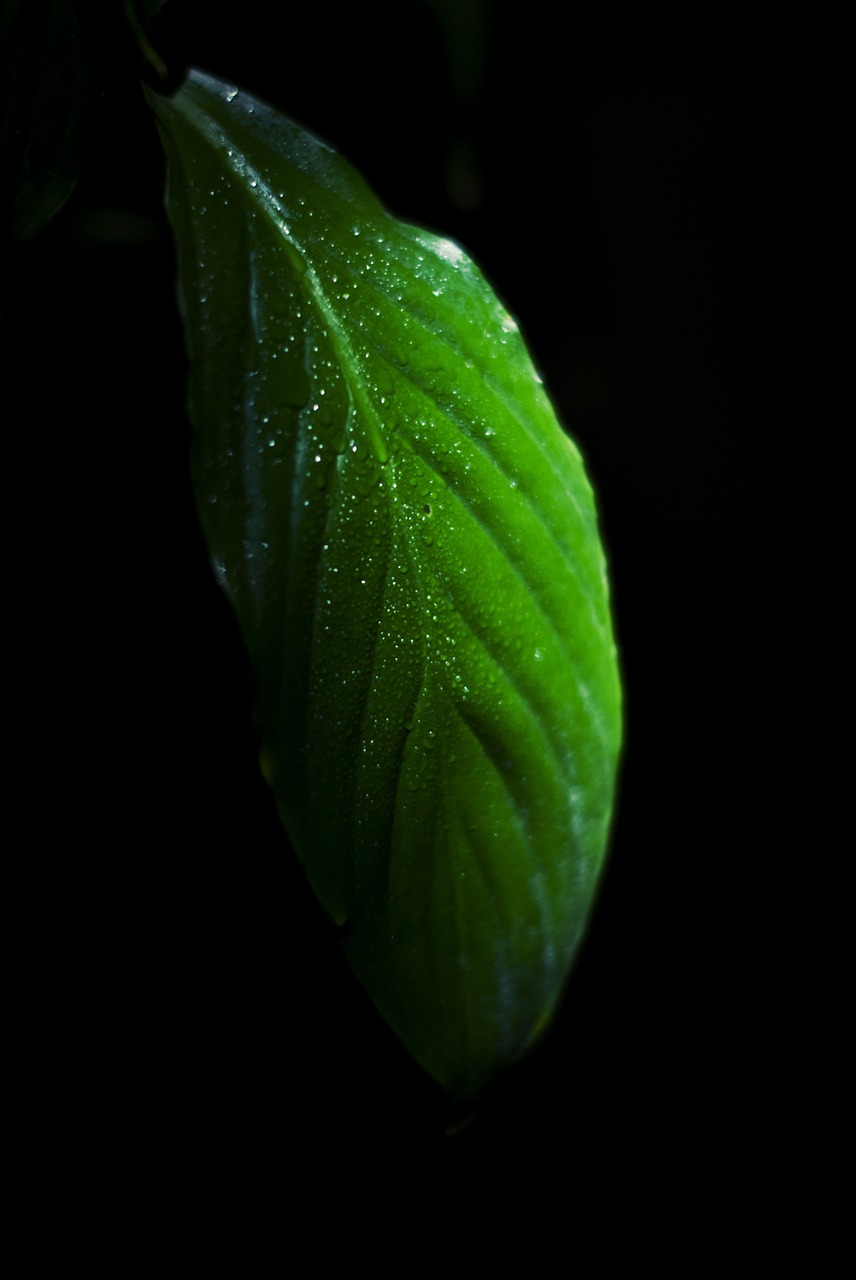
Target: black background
(655, 214)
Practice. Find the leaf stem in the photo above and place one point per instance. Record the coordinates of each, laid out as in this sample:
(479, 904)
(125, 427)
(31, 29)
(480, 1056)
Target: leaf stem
(147, 49)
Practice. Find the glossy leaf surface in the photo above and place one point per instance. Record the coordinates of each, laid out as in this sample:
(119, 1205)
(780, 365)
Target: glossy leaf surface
(411, 546)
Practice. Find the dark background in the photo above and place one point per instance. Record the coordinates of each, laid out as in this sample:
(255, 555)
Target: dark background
(655, 214)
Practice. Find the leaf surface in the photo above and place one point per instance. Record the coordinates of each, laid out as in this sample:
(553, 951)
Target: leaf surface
(411, 545)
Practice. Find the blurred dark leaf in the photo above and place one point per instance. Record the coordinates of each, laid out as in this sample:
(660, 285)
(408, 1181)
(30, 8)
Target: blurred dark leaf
(49, 76)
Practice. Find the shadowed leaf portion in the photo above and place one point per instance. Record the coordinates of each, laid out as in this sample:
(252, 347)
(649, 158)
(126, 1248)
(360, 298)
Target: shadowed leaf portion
(410, 543)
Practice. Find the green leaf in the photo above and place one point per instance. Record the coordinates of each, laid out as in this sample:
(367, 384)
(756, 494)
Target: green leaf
(411, 546)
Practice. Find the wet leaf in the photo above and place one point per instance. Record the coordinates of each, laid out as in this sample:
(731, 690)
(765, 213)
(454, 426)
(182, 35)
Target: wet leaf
(411, 546)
